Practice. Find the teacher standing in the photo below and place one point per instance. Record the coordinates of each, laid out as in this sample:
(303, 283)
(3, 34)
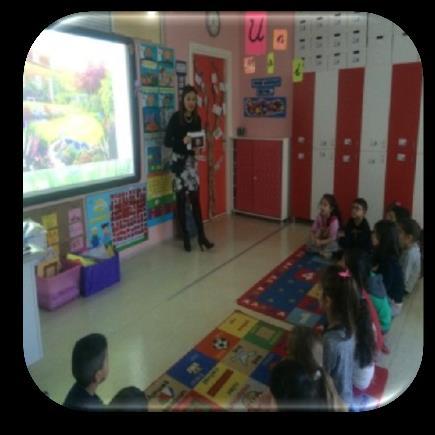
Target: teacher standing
(184, 163)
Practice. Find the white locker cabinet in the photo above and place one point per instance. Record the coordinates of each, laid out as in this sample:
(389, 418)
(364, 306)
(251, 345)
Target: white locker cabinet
(325, 109)
(302, 46)
(320, 22)
(357, 20)
(308, 63)
(323, 177)
(338, 21)
(356, 57)
(420, 124)
(320, 61)
(404, 49)
(376, 108)
(303, 22)
(337, 41)
(379, 41)
(319, 42)
(417, 206)
(372, 169)
(337, 61)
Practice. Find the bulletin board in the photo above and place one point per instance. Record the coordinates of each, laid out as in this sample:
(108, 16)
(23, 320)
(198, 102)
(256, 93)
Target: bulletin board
(65, 225)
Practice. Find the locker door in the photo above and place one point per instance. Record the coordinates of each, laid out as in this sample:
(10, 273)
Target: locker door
(267, 177)
(417, 207)
(404, 49)
(302, 144)
(243, 175)
(402, 133)
(420, 124)
(379, 41)
(376, 107)
(371, 183)
(349, 118)
(325, 109)
(323, 177)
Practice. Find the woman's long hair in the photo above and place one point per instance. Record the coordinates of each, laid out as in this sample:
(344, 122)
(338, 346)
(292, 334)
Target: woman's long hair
(182, 110)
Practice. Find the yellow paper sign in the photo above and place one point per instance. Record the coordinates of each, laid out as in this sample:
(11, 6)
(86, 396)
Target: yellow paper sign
(280, 39)
(52, 237)
(271, 63)
(238, 324)
(298, 69)
(159, 185)
(49, 221)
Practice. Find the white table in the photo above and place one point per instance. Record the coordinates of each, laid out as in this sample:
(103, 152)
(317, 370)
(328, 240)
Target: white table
(32, 342)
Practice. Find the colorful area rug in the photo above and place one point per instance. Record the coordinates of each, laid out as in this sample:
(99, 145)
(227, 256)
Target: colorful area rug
(228, 370)
(289, 292)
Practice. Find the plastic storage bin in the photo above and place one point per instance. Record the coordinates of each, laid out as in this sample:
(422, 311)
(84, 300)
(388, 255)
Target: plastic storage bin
(58, 290)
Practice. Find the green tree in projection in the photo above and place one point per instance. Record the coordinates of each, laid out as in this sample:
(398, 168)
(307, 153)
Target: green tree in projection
(105, 94)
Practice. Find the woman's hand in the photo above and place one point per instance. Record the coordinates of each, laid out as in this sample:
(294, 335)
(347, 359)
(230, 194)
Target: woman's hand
(187, 140)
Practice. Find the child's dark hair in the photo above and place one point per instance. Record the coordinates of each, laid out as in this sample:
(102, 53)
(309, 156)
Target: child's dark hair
(186, 90)
(362, 202)
(399, 211)
(338, 284)
(388, 238)
(411, 228)
(88, 357)
(129, 399)
(292, 386)
(301, 346)
(335, 210)
(359, 263)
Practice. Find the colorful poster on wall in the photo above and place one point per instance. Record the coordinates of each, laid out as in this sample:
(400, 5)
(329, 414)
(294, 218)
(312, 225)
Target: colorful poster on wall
(150, 97)
(271, 63)
(249, 65)
(149, 73)
(280, 39)
(165, 55)
(159, 186)
(148, 52)
(270, 107)
(167, 106)
(154, 156)
(64, 224)
(98, 220)
(298, 69)
(151, 119)
(129, 216)
(255, 33)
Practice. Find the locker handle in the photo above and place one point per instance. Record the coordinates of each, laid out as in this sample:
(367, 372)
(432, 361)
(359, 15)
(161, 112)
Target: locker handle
(319, 37)
(380, 37)
(356, 52)
(356, 32)
(337, 35)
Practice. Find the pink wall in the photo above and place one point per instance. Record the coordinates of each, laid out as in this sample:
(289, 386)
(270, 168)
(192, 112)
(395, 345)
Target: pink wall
(181, 28)
(269, 127)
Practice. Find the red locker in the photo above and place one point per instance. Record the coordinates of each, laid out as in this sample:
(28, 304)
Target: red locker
(267, 177)
(243, 175)
(302, 145)
(402, 133)
(348, 137)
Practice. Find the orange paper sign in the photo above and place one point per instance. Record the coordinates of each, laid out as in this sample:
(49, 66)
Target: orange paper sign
(280, 39)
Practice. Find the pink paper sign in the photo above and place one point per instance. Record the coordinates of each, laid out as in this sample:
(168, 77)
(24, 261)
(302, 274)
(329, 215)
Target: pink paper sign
(255, 33)
(77, 245)
(74, 215)
(76, 229)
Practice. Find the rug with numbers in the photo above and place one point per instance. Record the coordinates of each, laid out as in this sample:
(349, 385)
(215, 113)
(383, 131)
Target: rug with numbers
(229, 370)
(289, 292)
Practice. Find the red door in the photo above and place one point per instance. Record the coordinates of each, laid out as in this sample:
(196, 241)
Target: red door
(302, 146)
(209, 80)
(243, 175)
(348, 138)
(402, 133)
(267, 177)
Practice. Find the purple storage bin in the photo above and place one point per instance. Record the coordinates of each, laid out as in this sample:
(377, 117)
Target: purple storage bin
(58, 290)
(100, 276)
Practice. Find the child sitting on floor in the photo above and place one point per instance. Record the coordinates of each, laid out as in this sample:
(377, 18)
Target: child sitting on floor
(305, 346)
(385, 239)
(129, 399)
(324, 232)
(410, 259)
(357, 232)
(396, 212)
(340, 301)
(90, 369)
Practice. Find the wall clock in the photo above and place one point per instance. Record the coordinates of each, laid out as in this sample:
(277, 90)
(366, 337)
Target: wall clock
(213, 23)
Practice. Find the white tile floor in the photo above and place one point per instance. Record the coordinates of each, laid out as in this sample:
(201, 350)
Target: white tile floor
(169, 299)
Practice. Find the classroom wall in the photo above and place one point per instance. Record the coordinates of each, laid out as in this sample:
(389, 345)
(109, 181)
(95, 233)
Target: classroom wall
(136, 25)
(269, 127)
(181, 28)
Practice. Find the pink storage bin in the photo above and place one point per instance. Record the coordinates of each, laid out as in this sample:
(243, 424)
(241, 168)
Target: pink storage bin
(60, 289)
